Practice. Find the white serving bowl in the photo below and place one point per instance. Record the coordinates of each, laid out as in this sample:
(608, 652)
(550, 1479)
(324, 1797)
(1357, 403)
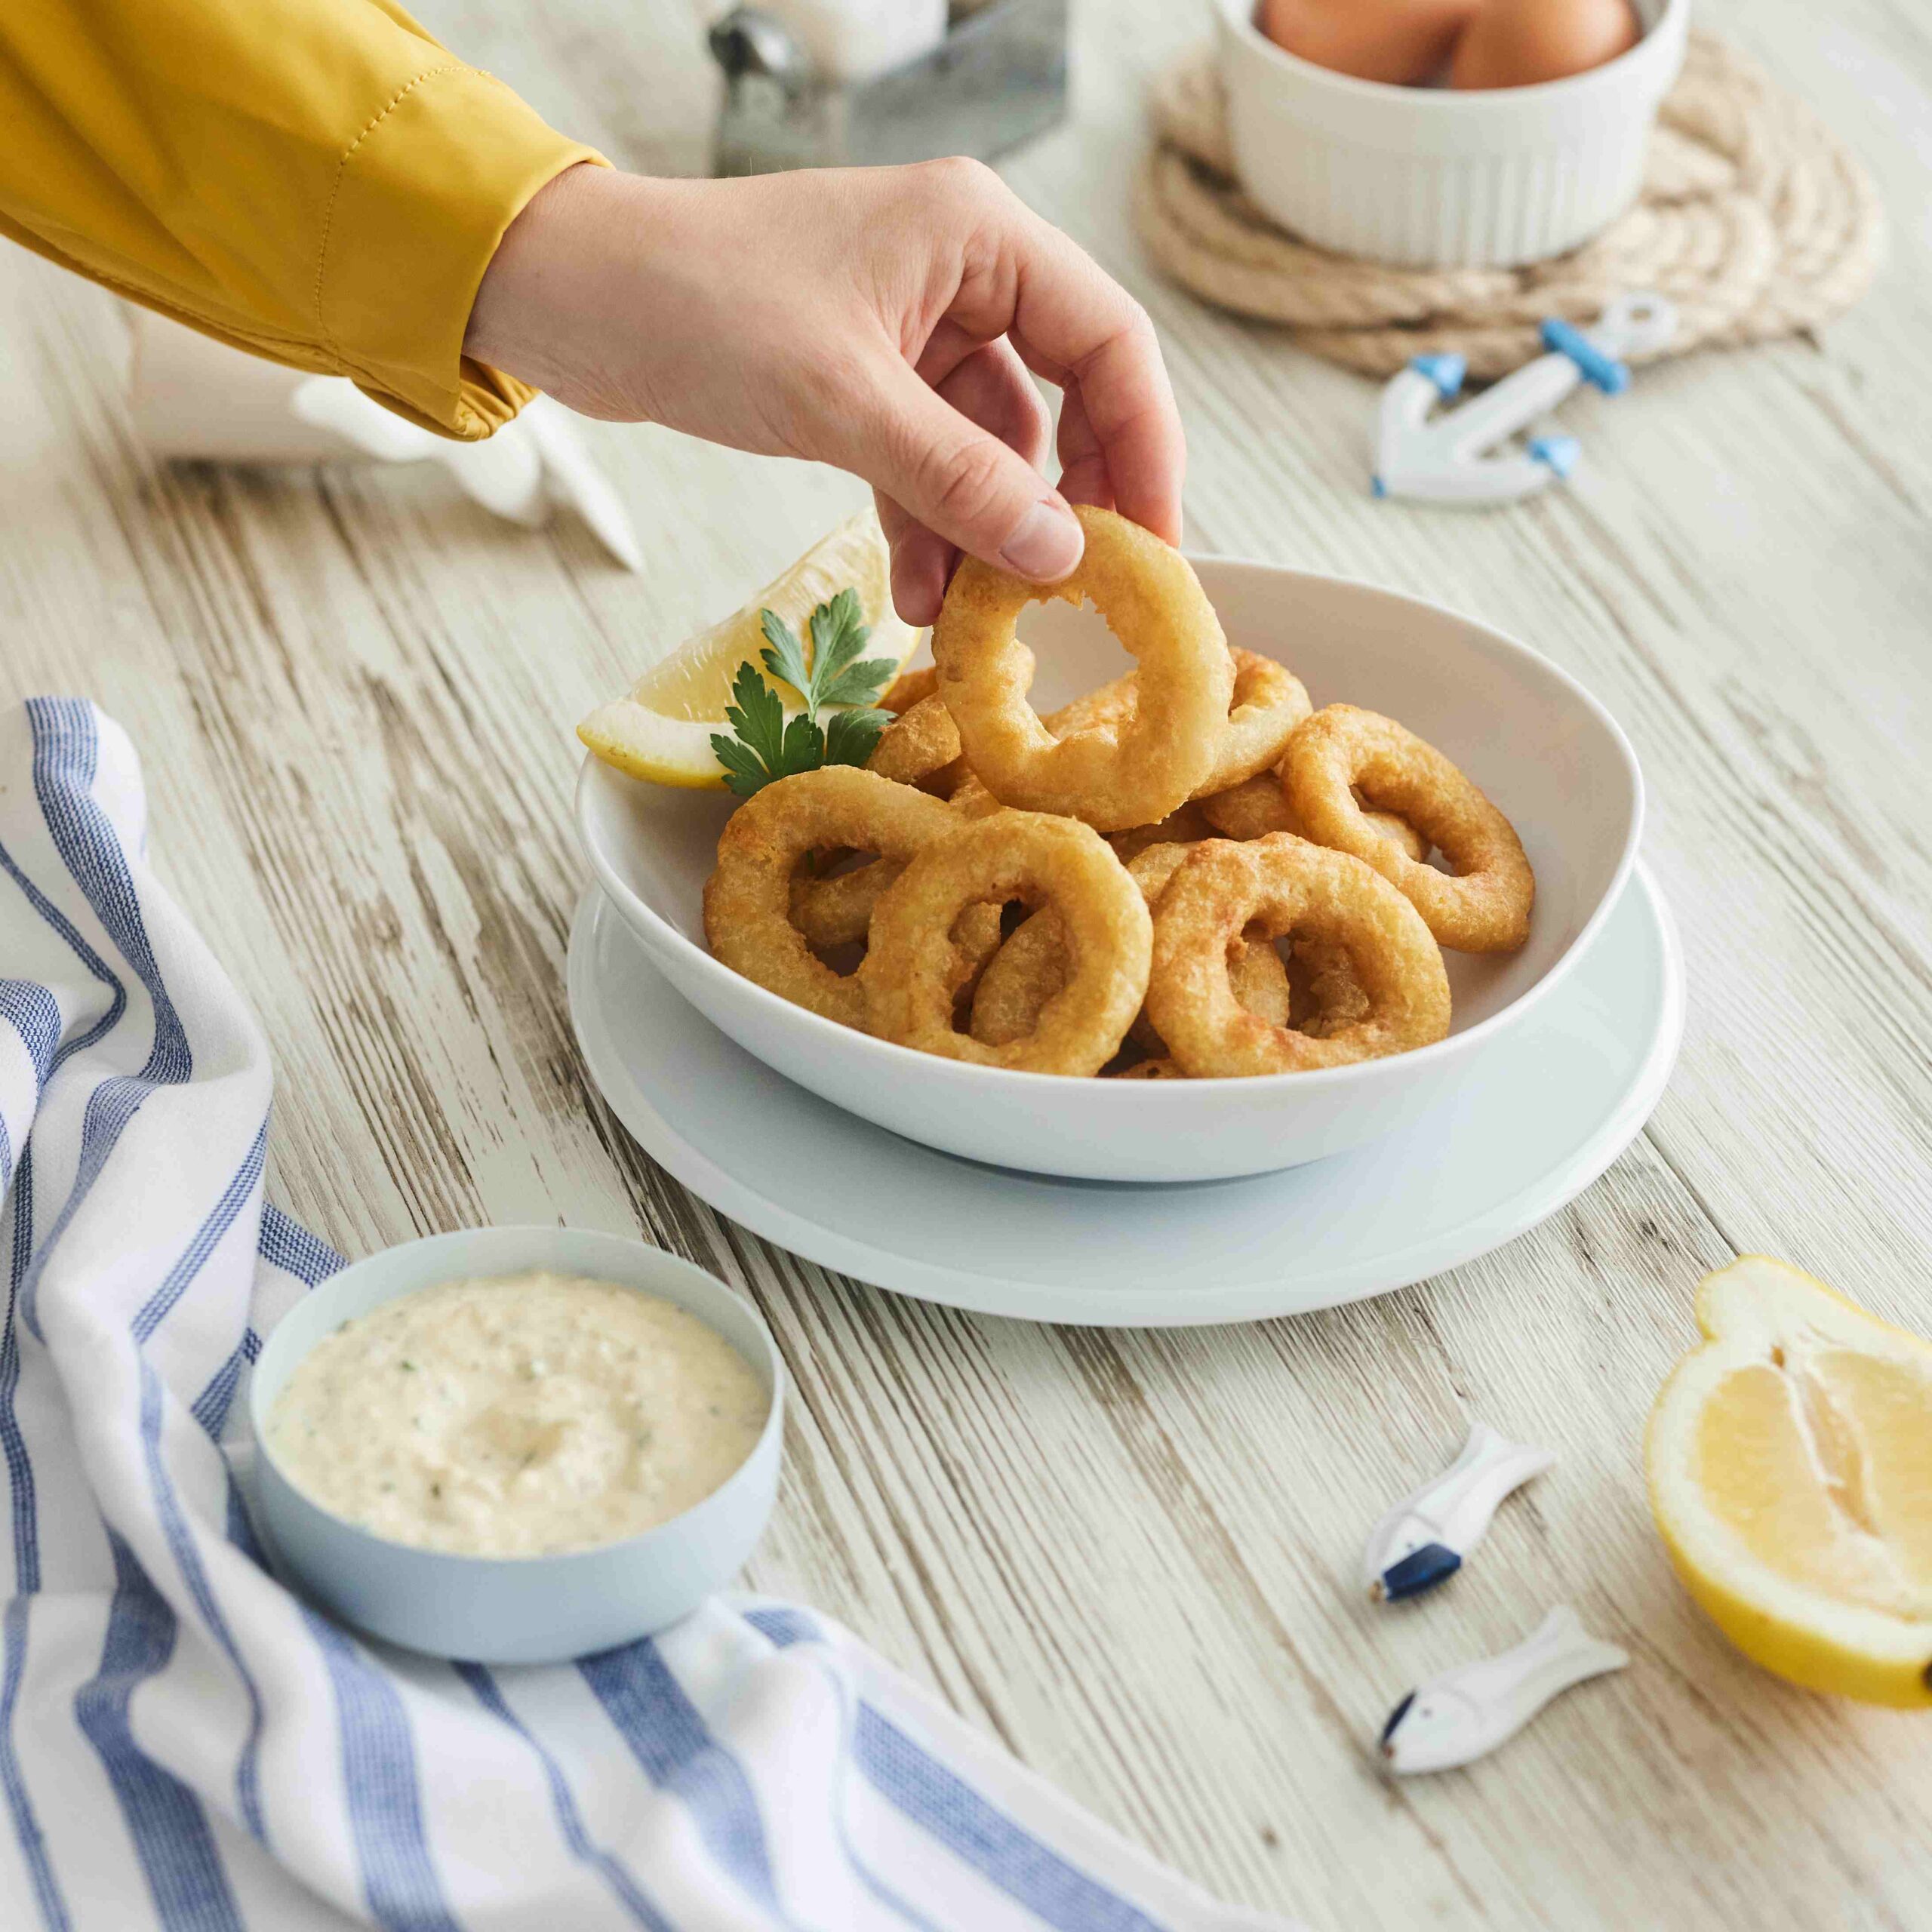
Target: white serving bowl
(1440, 177)
(519, 1609)
(1533, 738)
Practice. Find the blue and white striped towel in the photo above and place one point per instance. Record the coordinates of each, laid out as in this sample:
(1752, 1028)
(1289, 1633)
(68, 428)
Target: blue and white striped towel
(183, 1743)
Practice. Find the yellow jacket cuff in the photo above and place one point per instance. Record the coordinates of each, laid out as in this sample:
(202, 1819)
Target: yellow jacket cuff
(423, 197)
(318, 181)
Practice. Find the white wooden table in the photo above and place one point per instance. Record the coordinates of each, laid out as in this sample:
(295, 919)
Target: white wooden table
(1131, 1555)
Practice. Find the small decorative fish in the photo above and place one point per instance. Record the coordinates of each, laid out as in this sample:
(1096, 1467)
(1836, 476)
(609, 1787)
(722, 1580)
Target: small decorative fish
(1422, 1542)
(1466, 1713)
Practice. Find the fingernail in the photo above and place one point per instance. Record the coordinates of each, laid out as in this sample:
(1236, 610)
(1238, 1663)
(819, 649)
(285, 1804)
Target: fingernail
(1045, 544)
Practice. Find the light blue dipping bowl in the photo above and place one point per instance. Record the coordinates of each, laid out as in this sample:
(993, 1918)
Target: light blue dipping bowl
(516, 1609)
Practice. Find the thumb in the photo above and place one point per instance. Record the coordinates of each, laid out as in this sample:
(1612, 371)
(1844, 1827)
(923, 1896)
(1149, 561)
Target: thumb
(960, 481)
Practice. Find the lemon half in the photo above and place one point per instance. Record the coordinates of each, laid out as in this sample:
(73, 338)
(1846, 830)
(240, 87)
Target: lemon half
(1790, 1465)
(661, 729)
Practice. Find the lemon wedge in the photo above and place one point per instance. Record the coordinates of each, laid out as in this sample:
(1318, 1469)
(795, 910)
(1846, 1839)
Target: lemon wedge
(661, 729)
(1790, 1465)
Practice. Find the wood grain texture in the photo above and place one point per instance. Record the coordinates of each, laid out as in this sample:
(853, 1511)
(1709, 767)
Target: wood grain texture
(1132, 1556)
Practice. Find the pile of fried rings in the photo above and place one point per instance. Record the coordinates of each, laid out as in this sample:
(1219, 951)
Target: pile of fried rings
(1186, 873)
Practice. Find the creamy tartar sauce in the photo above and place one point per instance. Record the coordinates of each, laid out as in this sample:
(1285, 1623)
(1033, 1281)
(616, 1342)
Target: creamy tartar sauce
(517, 1416)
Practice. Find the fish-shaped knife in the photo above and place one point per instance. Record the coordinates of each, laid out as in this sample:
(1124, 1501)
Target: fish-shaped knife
(1466, 1713)
(1422, 1542)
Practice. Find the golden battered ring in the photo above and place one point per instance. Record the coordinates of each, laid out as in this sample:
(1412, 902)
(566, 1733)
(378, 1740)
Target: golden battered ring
(1285, 885)
(1113, 774)
(1256, 971)
(908, 688)
(747, 900)
(1269, 702)
(1261, 805)
(1485, 906)
(1045, 862)
(1031, 968)
(1184, 825)
(837, 909)
(920, 747)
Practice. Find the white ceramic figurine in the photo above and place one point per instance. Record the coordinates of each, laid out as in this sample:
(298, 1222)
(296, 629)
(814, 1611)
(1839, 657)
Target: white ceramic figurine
(1466, 1713)
(1423, 1541)
(1458, 455)
(194, 398)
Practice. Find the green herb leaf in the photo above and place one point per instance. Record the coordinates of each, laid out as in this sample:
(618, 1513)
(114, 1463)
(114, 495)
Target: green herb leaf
(838, 635)
(754, 756)
(744, 772)
(803, 748)
(765, 745)
(785, 659)
(851, 736)
(757, 717)
(860, 684)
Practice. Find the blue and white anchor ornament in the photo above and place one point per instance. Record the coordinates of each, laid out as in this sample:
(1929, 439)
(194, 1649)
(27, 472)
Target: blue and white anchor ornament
(1468, 454)
(1423, 1541)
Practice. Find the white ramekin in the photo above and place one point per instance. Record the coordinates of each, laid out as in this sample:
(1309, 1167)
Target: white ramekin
(515, 1609)
(1431, 177)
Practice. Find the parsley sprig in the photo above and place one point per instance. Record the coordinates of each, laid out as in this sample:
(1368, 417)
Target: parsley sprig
(766, 745)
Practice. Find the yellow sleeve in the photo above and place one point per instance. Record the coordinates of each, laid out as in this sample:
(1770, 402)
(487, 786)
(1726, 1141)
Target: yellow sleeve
(318, 181)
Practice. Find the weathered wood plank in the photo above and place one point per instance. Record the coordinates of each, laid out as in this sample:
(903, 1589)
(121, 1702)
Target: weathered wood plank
(1132, 1556)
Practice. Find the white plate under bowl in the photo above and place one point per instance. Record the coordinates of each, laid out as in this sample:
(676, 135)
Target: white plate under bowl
(1529, 735)
(1559, 1100)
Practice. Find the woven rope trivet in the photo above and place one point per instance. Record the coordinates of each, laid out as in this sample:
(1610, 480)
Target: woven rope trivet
(1754, 219)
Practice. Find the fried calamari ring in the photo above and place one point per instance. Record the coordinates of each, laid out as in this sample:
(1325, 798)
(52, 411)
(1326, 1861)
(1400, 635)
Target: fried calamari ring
(1042, 861)
(1285, 885)
(920, 747)
(837, 908)
(1185, 827)
(1262, 985)
(1027, 971)
(747, 900)
(1031, 968)
(1485, 906)
(1314, 990)
(1260, 806)
(1256, 971)
(908, 688)
(1104, 706)
(1107, 707)
(1149, 1069)
(1269, 702)
(1137, 769)
(1324, 995)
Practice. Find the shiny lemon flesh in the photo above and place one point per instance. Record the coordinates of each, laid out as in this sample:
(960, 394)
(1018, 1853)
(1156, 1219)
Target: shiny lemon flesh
(1790, 1467)
(661, 729)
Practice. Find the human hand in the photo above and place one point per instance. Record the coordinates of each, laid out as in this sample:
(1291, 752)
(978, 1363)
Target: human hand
(880, 319)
